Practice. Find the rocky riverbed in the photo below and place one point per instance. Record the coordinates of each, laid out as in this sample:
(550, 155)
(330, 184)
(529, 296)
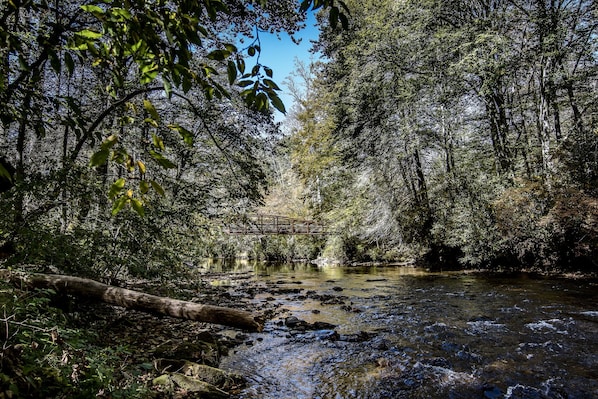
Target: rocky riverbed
(401, 333)
(365, 333)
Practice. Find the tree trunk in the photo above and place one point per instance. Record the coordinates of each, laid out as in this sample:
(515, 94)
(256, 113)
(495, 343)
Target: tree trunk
(499, 130)
(136, 300)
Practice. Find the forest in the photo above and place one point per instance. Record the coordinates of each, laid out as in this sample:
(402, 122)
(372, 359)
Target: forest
(455, 134)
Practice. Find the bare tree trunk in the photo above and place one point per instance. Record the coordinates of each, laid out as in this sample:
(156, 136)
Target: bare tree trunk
(137, 300)
(544, 123)
(20, 167)
(499, 130)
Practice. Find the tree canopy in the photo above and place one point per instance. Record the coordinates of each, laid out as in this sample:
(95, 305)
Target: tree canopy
(166, 101)
(455, 129)
(463, 128)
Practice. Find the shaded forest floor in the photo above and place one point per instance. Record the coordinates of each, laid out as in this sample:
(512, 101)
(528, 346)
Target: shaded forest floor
(64, 347)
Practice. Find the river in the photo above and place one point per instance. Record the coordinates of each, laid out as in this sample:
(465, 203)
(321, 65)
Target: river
(401, 332)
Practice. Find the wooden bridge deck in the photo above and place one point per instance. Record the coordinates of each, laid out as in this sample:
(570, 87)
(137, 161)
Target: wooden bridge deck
(258, 224)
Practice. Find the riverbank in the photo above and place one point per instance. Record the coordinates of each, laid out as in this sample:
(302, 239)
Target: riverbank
(65, 347)
(328, 312)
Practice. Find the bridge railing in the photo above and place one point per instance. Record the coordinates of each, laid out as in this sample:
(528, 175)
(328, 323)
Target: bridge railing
(259, 224)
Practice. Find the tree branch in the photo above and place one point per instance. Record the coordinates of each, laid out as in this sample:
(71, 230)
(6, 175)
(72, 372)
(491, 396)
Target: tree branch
(89, 131)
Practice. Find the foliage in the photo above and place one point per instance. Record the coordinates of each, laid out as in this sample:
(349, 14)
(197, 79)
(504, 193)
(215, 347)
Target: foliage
(548, 231)
(460, 127)
(159, 99)
(45, 356)
(285, 248)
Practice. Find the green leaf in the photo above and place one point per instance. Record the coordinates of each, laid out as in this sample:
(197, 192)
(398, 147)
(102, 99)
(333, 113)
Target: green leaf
(5, 173)
(231, 48)
(218, 55)
(55, 61)
(251, 51)
(69, 62)
(119, 205)
(120, 183)
(277, 102)
(333, 17)
(23, 63)
(245, 83)
(149, 107)
(305, 4)
(109, 142)
(116, 188)
(135, 47)
(187, 84)
(141, 166)
(162, 160)
(261, 102)
(232, 72)
(269, 72)
(209, 90)
(249, 96)
(100, 157)
(344, 21)
(92, 9)
(121, 12)
(208, 70)
(151, 122)
(119, 156)
(167, 88)
(317, 4)
(148, 71)
(158, 142)
(148, 77)
(158, 188)
(138, 206)
(241, 65)
(89, 34)
(78, 47)
(222, 91)
(185, 134)
(144, 187)
(271, 84)
(194, 38)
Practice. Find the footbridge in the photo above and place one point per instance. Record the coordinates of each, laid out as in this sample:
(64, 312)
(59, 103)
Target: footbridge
(262, 224)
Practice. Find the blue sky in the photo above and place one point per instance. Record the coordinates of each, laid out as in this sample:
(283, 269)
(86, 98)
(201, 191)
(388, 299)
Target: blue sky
(279, 53)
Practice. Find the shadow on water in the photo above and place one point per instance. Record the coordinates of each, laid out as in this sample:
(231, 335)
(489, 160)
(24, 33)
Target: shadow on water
(404, 333)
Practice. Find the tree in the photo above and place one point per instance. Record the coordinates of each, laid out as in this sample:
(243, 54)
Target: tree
(103, 83)
(444, 109)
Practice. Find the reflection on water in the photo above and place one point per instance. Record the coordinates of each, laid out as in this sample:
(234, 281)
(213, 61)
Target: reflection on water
(405, 333)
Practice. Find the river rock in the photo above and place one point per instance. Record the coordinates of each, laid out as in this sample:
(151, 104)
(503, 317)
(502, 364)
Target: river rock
(326, 335)
(322, 325)
(380, 343)
(525, 392)
(284, 290)
(295, 323)
(361, 336)
(198, 351)
(194, 372)
(492, 392)
(207, 391)
(330, 299)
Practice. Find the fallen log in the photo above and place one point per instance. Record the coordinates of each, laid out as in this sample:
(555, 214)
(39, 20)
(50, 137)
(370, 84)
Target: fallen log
(131, 299)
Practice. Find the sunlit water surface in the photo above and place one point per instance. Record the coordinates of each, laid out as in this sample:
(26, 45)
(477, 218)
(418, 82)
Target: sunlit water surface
(405, 333)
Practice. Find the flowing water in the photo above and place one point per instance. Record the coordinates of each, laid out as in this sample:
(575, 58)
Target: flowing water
(405, 333)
